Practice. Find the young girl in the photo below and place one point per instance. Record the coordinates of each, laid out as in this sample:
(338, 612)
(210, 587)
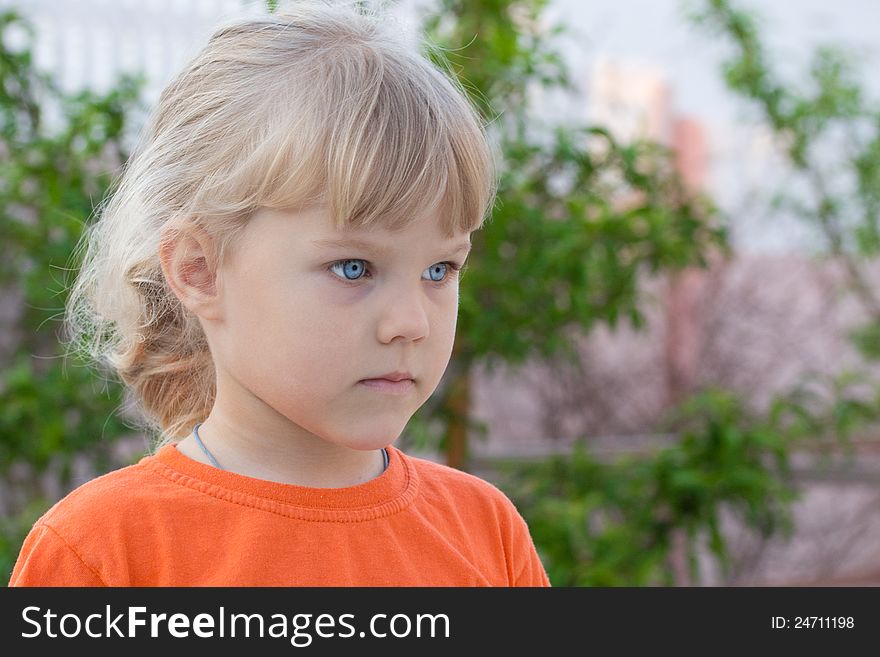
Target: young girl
(275, 280)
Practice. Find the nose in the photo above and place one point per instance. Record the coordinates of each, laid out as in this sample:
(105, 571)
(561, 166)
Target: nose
(404, 315)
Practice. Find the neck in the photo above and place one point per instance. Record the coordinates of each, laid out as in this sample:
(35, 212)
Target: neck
(311, 462)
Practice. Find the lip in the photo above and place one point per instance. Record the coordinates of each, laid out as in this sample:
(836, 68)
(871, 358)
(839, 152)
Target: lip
(399, 375)
(392, 387)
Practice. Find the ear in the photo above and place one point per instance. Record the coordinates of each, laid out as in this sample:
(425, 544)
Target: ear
(188, 258)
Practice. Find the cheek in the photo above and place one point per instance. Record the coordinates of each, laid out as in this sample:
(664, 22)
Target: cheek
(323, 336)
(443, 333)
(297, 341)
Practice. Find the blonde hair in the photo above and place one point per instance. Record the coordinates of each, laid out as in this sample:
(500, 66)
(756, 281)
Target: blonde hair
(316, 104)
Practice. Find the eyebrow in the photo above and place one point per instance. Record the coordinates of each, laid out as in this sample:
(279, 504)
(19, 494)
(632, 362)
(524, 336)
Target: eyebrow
(374, 249)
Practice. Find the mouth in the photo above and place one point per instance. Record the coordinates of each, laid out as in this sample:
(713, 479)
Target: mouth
(387, 386)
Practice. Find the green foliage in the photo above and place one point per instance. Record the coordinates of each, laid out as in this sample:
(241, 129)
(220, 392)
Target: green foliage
(556, 258)
(612, 523)
(867, 340)
(51, 409)
(825, 411)
(53, 415)
(828, 130)
(49, 182)
(13, 530)
(801, 116)
(598, 523)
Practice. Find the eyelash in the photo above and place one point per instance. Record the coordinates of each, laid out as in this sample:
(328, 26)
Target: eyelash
(456, 269)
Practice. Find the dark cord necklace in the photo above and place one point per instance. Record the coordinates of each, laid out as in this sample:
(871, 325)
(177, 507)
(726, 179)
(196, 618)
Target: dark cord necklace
(219, 467)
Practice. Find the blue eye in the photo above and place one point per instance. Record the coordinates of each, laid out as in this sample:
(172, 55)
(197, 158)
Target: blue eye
(442, 272)
(355, 269)
(352, 268)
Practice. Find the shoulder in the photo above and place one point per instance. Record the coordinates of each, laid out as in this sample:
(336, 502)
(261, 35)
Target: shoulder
(101, 502)
(484, 520)
(463, 489)
(72, 543)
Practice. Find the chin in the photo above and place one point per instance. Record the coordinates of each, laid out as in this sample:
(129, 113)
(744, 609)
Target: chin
(369, 442)
(368, 445)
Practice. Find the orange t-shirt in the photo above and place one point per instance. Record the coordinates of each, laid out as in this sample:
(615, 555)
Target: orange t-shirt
(169, 520)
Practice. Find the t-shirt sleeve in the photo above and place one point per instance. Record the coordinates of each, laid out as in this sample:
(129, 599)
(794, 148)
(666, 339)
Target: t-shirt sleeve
(528, 569)
(47, 560)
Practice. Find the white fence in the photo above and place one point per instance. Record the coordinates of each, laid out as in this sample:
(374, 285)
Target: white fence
(87, 43)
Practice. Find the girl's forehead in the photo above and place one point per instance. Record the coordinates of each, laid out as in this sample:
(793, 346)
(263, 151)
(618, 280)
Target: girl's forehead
(380, 247)
(282, 234)
(315, 225)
